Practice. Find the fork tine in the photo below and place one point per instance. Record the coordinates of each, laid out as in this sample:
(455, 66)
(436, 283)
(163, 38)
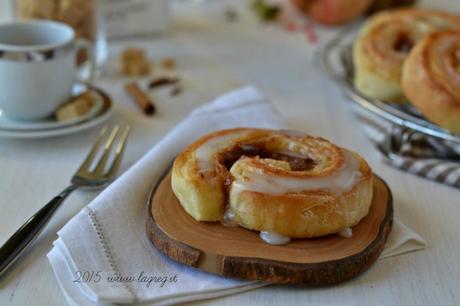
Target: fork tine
(99, 170)
(118, 153)
(84, 168)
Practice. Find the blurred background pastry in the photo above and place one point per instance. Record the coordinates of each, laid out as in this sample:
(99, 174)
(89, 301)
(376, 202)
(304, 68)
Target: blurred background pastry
(385, 42)
(79, 14)
(431, 78)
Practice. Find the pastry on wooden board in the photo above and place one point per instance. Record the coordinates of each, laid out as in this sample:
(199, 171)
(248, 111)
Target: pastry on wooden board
(278, 182)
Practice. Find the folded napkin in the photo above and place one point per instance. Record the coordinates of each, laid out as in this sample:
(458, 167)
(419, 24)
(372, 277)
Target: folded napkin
(413, 152)
(103, 256)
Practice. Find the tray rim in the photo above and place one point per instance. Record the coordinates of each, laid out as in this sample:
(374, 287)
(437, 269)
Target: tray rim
(373, 252)
(376, 106)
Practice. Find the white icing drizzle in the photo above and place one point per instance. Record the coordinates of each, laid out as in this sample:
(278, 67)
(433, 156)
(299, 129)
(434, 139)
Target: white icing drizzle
(292, 153)
(274, 238)
(229, 219)
(346, 232)
(340, 182)
(205, 152)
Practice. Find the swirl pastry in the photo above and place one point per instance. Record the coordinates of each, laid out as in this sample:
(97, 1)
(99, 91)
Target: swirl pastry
(384, 43)
(281, 182)
(431, 78)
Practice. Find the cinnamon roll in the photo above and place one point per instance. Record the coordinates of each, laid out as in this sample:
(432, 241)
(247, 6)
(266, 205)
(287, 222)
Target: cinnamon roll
(431, 79)
(384, 43)
(279, 182)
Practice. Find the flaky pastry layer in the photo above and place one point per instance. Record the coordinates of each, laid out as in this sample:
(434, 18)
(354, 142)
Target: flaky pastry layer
(384, 44)
(431, 78)
(279, 181)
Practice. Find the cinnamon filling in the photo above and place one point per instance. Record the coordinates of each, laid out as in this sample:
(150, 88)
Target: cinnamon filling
(456, 59)
(403, 43)
(229, 157)
(296, 163)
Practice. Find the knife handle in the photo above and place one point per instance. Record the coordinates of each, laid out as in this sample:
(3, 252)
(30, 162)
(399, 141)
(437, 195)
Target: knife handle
(27, 233)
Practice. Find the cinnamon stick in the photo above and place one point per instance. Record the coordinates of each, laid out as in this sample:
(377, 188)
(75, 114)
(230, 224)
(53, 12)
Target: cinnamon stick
(158, 82)
(141, 98)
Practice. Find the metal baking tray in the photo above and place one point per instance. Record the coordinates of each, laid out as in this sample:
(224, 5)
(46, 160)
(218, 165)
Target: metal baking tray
(337, 61)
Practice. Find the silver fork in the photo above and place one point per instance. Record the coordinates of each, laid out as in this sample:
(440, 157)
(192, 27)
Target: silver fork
(87, 176)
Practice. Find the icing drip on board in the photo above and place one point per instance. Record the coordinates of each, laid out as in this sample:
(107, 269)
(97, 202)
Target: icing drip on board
(346, 233)
(274, 238)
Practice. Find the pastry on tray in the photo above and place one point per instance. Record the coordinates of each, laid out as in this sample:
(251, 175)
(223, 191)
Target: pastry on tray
(431, 78)
(384, 44)
(284, 184)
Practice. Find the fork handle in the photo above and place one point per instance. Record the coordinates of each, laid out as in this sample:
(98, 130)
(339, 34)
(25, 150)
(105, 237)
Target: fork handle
(27, 233)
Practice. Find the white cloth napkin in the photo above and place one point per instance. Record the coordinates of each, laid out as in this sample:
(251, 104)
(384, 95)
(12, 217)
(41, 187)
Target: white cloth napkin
(102, 253)
(413, 152)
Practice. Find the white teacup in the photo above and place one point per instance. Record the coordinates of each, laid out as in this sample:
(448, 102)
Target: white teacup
(37, 67)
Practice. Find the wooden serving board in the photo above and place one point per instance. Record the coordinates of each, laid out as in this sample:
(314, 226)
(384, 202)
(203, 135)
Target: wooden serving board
(238, 252)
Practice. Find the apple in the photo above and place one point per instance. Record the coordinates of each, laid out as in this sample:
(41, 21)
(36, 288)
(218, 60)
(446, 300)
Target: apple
(333, 12)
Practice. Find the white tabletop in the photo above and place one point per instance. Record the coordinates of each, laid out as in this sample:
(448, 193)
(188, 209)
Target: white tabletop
(215, 56)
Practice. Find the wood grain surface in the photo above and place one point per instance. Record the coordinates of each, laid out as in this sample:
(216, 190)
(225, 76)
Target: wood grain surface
(238, 252)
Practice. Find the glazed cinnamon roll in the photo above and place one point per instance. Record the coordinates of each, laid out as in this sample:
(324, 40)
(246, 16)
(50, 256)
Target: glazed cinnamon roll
(384, 43)
(278, 182)
(431, 79)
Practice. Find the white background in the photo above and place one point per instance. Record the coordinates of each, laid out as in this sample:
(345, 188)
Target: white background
(215, 56)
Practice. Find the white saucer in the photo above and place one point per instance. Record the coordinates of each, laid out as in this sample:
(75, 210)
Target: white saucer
(50, 127)
(50, 122)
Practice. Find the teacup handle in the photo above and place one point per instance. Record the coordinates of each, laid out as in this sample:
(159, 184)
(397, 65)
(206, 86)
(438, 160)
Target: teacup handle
(88, 64)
